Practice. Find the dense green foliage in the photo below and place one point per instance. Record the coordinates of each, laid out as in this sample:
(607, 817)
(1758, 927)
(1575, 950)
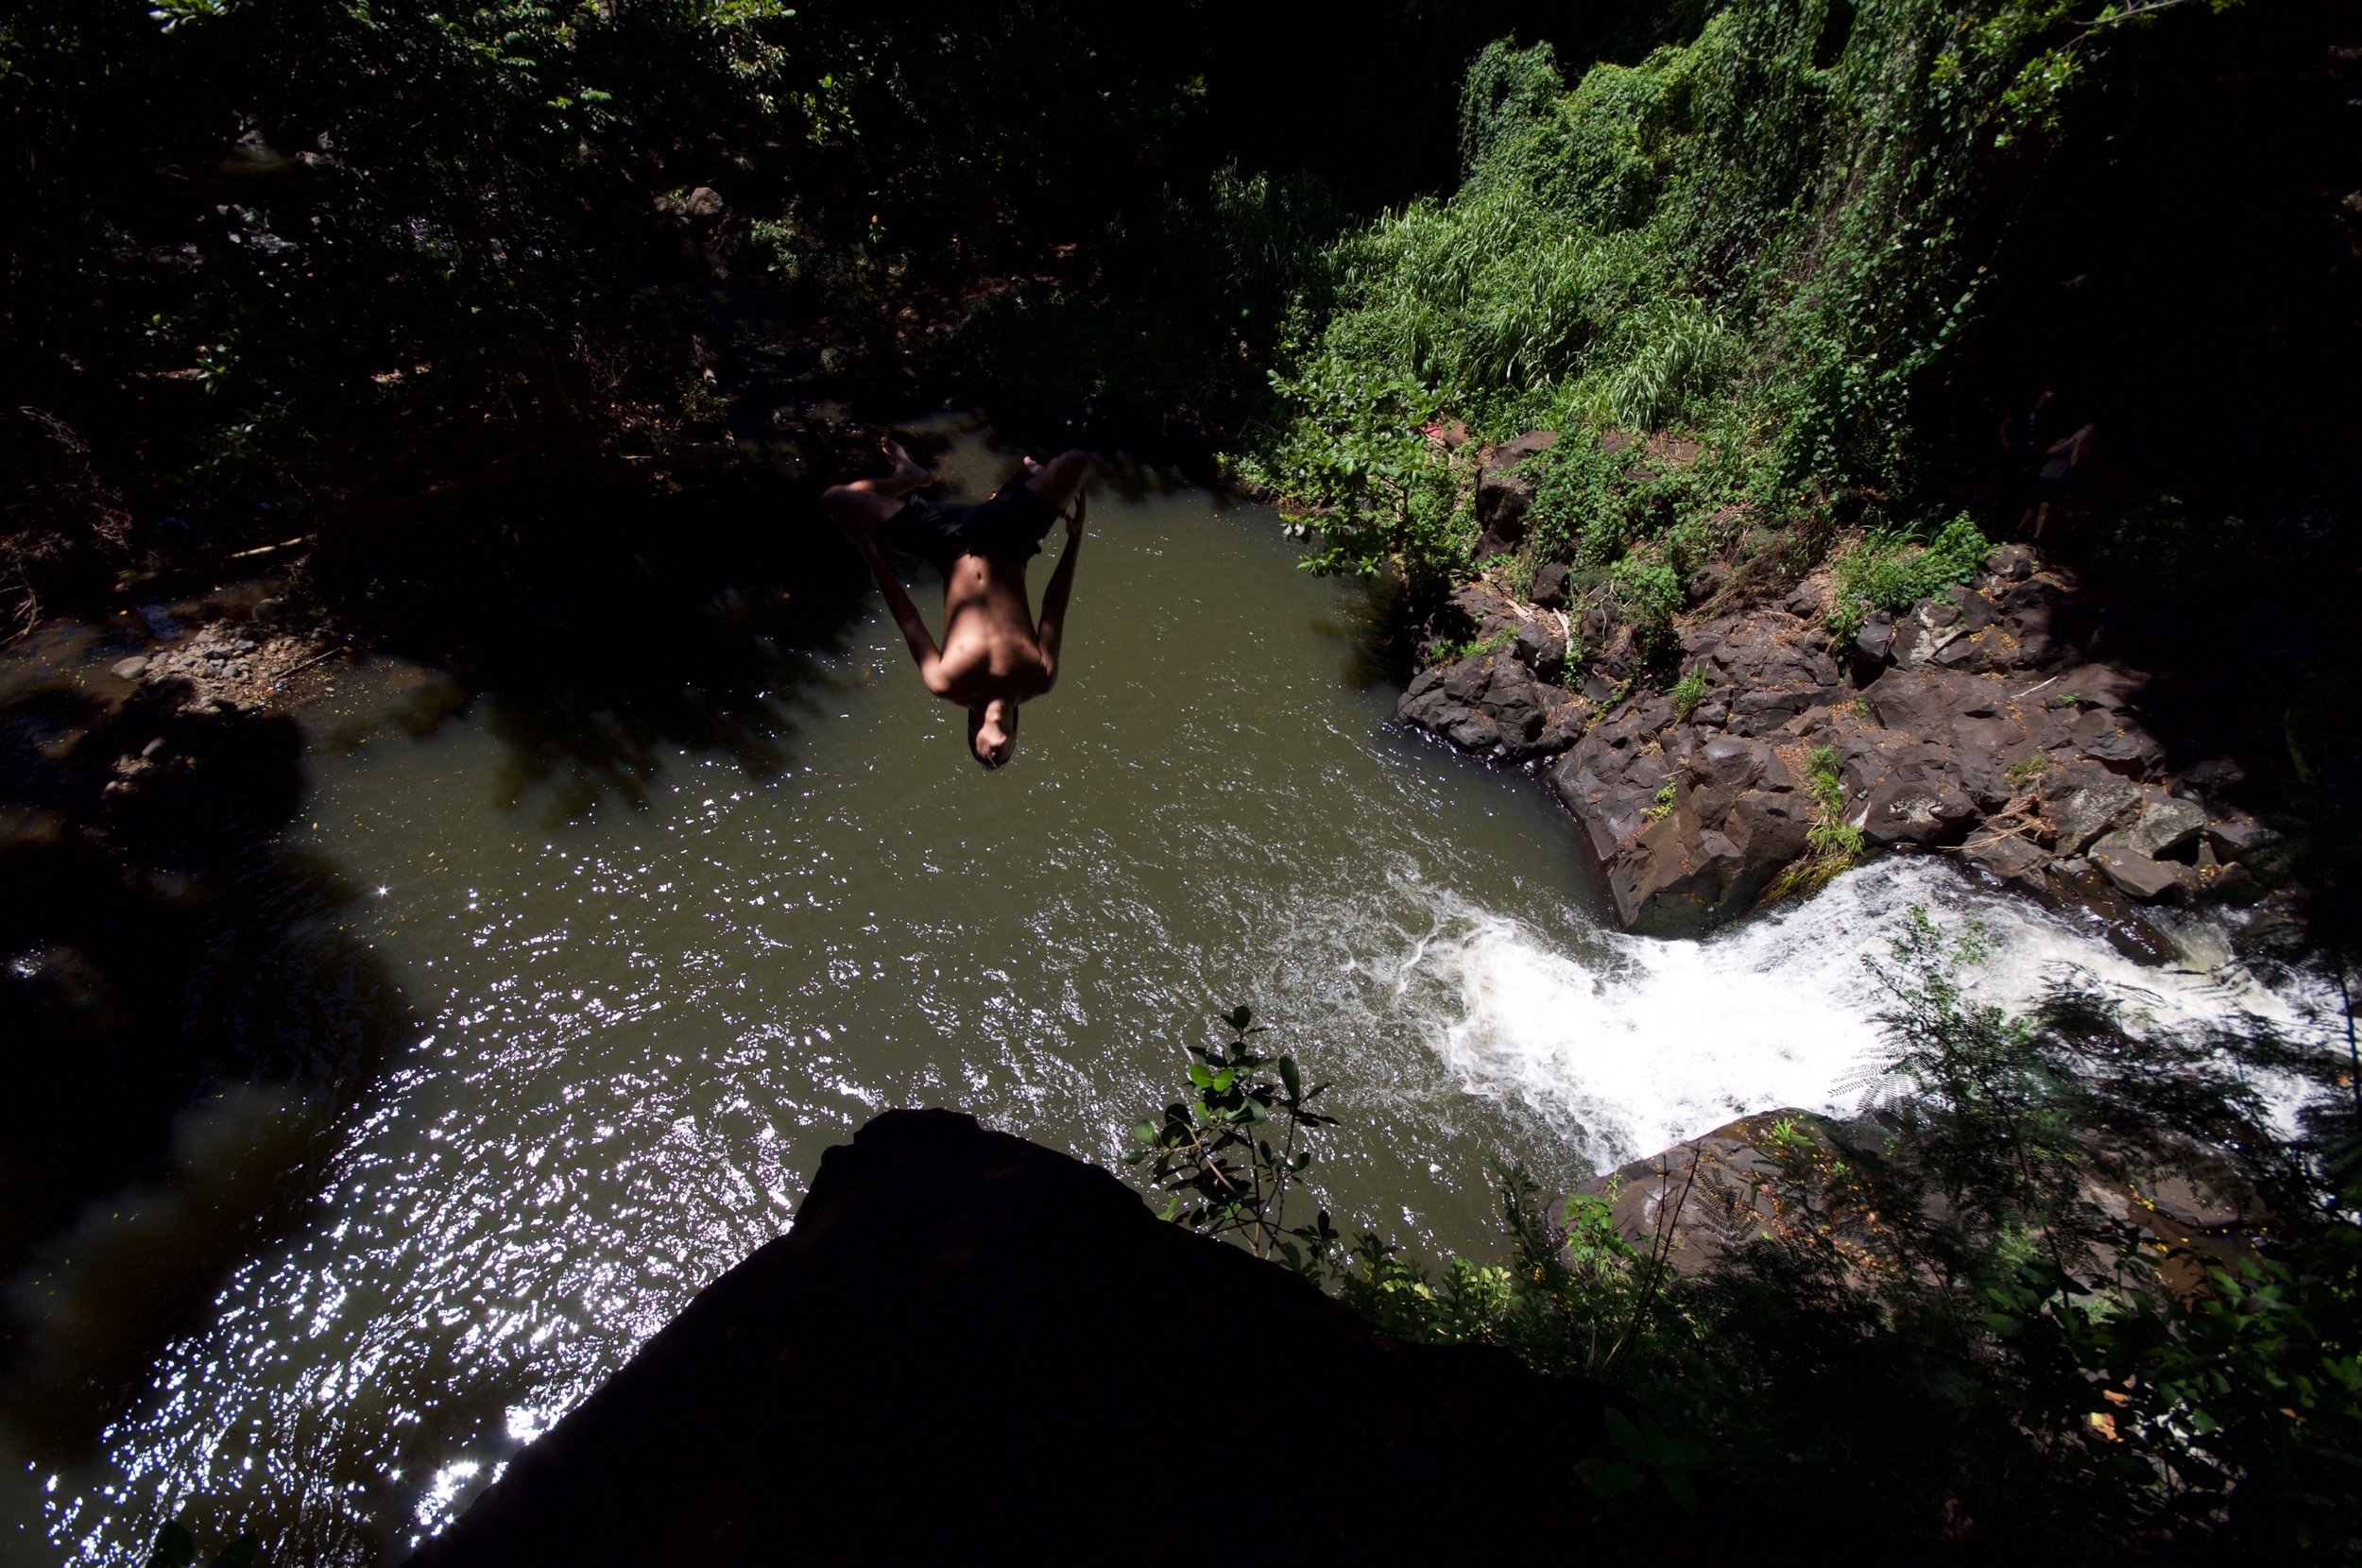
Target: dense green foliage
(379, 212)
(1950, 1329)
(1768, 238)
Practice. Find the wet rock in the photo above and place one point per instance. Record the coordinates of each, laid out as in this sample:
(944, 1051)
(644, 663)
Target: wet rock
(2239, 839)
(2118, 742)
(1678, 874)
(1478, 611)
(1540, 648)
(1503, 496)
(1728, 763)
(1976, 610)
(1491, 703)
(950, 1318)
(2008, 858)
(1736, 816)
(2215, 777)
(2090, 810)
(1744, 1183)
(1922, 702)
(1874, 642)
(2120, 858)
(1760, 712)
(2234, 885)
(2165, 827)
(1917, 812)
(1609, 782)
(130, 669)
(2011, 563)
(1942, 741)
(705, 204)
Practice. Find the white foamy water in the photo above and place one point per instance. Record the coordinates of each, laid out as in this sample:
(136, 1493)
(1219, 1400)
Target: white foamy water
(1663, 1041)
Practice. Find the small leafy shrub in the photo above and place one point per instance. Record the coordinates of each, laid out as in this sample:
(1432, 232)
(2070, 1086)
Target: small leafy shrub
(1452, 652)
(2023, 771)
(1892, 572)
(1376, 489)
(1214, 1157)
(1650, 592)
(1666, 798)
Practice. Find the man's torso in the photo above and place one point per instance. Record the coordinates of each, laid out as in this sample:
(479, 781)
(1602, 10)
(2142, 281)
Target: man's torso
(990, 646)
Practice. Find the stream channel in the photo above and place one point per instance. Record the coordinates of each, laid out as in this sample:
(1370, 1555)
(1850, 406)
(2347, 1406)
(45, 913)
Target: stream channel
(634, 1028)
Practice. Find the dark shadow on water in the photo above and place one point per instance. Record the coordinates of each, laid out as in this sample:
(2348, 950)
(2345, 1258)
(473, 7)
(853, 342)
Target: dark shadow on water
(1376, 645)
(185, 1019)
(608, 617)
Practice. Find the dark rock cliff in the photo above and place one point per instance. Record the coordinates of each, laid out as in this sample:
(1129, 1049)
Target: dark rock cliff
(969, 1341)
(1982, 724)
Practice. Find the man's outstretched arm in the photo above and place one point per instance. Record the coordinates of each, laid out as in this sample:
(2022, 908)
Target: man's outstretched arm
(922, 642)
(1054, 594)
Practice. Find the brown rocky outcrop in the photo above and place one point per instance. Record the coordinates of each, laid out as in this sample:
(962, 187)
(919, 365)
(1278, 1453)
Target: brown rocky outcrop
(1974, 723)
(1498, 698)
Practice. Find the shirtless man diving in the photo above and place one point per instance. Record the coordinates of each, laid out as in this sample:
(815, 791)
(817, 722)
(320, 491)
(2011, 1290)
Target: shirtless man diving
(994, 654)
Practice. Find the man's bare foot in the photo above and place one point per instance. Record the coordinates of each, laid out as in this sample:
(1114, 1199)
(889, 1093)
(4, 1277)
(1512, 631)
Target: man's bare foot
(905, 468)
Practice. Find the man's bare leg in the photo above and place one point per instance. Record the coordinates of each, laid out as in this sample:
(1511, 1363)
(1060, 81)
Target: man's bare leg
(867, 502)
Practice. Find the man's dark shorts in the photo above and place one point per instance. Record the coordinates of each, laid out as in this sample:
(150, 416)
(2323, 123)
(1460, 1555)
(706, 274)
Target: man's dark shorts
(1009, 528)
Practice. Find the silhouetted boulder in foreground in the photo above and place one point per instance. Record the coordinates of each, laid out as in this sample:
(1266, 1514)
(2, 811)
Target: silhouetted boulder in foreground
(970, 1341)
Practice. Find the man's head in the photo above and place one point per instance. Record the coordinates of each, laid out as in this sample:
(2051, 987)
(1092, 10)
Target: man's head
(992, 731)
